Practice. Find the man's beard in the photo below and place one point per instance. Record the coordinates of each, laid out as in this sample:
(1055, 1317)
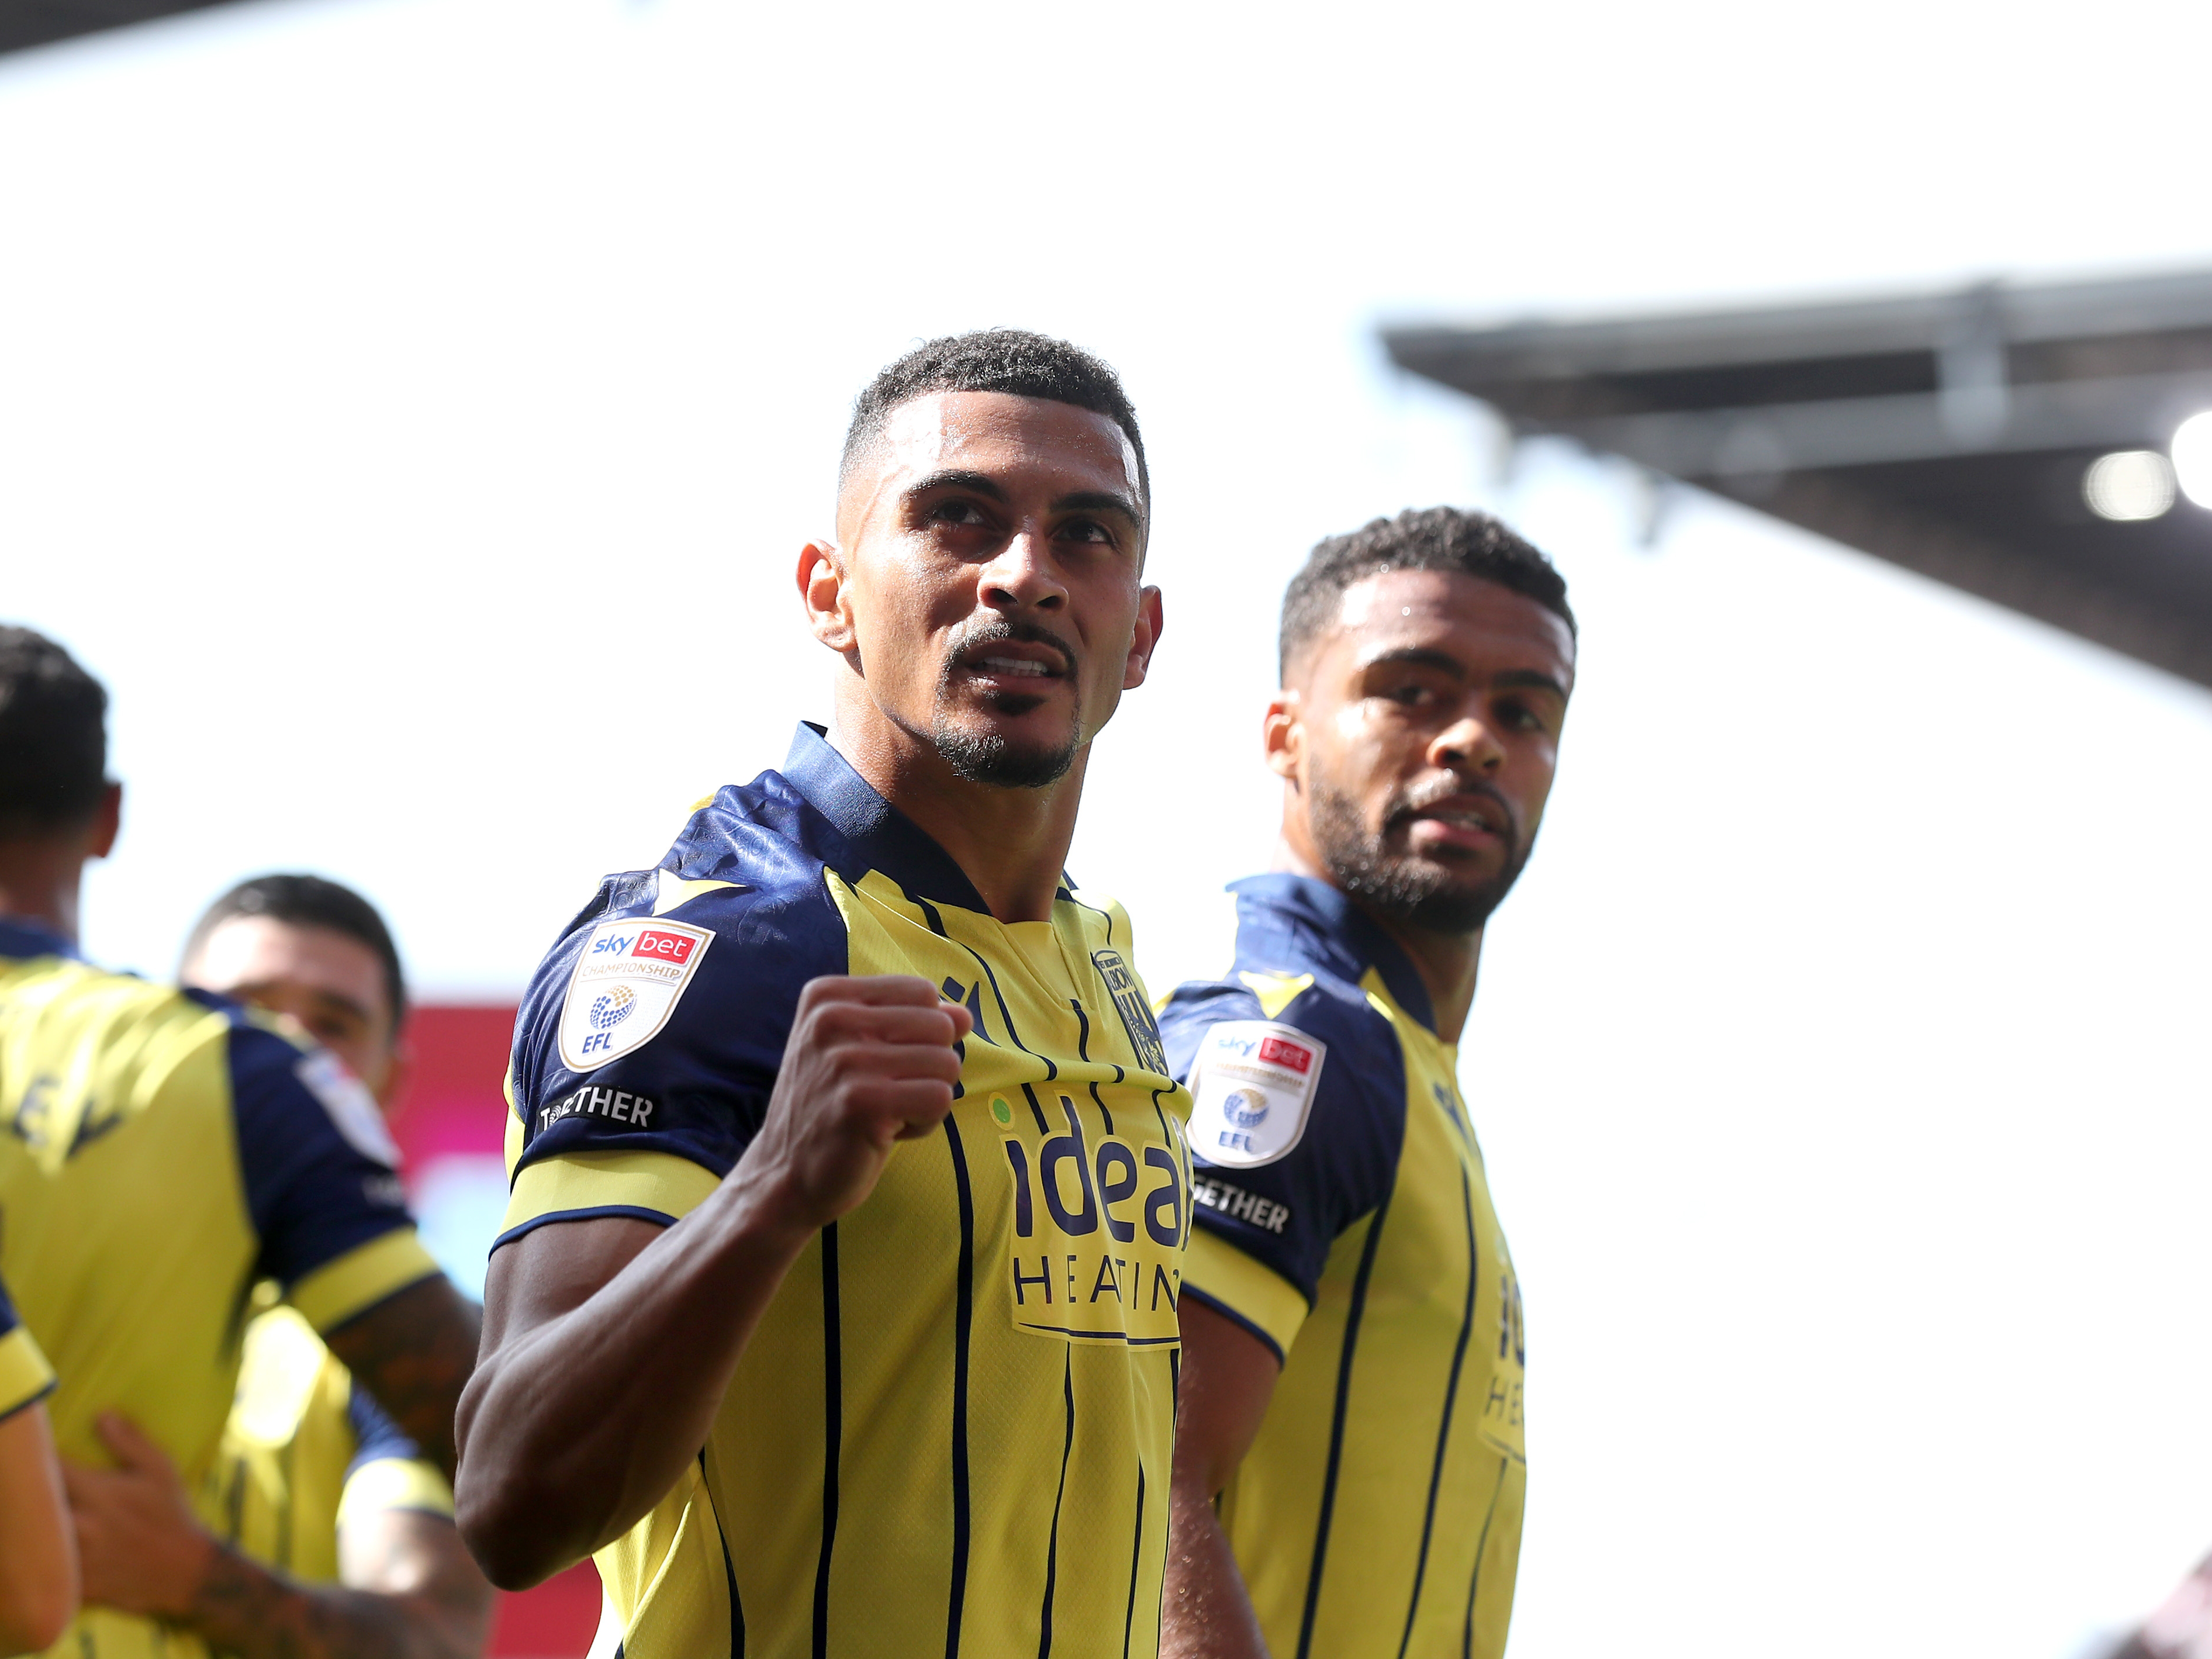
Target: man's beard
(987, 757)
(1424, 893)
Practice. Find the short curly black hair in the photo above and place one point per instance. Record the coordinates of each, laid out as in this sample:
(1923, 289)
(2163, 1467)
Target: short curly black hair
(304, 901)
(1429, 539)
(53, 738)
(1010, 360)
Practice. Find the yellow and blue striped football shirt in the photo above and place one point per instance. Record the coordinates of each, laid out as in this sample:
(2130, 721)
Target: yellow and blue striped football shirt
(164, 1151)
(1344, 1218)
(951, 1430)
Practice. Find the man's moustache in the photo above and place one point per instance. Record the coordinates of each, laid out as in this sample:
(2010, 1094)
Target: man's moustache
(1010, 633)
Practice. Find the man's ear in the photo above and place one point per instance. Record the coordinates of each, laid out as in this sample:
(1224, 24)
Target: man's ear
(820, 577)
(1282, 737)
(107, 822)
(1146, 638)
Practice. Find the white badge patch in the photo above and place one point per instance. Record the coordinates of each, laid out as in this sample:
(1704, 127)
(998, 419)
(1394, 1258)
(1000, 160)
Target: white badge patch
(1253, 1082)
(625, 986)
(350, 1103)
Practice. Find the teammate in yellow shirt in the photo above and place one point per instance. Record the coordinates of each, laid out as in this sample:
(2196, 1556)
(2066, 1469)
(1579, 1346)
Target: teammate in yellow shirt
(37, 1560)
(1351, 1468)
(837, 1306)
(339, 1532)
(162, 1152)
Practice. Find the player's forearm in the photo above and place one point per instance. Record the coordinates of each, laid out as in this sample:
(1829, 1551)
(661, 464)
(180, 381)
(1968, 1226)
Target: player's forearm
(242, 1607)
(414, 1352)
(1206, 1613)
(573, 1429)
(37, 1560)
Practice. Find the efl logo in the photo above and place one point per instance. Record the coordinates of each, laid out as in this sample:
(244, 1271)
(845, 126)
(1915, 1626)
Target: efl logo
(1277, 1052)
(625, 986)
(665, 946)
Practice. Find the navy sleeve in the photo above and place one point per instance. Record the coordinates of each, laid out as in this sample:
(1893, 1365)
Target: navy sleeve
(8, 1318)
(1288, 1212)
(318, 1163)
(375, 1436)
(698, 1085)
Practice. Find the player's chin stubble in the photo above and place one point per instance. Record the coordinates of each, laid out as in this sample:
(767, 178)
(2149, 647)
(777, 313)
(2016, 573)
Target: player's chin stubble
(987, 758)
(984, 755)
(1417, 891)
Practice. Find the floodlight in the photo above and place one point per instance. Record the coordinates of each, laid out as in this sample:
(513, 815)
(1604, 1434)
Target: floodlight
(2128, 484)
(2192, 458)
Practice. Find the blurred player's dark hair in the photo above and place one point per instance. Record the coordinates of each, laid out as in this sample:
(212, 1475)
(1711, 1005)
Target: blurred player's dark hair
(1010, 360)
(53, 738)
(299, 901)
(1431, 539)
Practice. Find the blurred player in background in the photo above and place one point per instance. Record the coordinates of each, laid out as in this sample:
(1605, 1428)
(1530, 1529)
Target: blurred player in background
(334, 1534)
(319, 953)
(38, 1563)
(837, 1304)
(162, 1152)
(1351, 1322)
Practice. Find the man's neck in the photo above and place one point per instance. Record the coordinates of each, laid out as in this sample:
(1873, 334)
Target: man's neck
(1011, 843)
(39, 882)
(1446, 963)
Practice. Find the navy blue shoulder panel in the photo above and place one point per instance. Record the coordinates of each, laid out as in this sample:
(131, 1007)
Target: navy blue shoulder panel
(708, 1073)
(1346, 1161)
(24, 940)
(375, 1436)
(8, 1318)
(313, 1192)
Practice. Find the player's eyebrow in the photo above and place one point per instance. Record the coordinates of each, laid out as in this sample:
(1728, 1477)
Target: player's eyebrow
(1419, 657)
(335, 999)
(1100, 501)
(982, 483)
(1534, 679)
(1414, 656)
(340, 1000)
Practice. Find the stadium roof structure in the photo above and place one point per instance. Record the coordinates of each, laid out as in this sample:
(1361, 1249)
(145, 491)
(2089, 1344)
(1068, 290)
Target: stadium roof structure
(40, 23)
(1952, 433)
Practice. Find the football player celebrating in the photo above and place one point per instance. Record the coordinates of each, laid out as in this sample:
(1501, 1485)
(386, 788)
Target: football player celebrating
(1349, 1474)
(333, 1535)
(836, 1305)
(167, 1150)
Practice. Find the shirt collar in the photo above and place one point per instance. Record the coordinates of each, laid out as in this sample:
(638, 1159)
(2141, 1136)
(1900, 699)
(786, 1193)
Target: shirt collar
(1332, 925)
(22, 938)
(882, 837)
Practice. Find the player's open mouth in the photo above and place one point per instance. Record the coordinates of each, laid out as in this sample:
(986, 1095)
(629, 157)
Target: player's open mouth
(1024, 660)
(1481, 821)
(1467, 821)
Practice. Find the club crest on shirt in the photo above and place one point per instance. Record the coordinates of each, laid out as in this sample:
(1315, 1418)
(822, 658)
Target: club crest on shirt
(1136, 1013)
(625, 986)
(1252, 1086)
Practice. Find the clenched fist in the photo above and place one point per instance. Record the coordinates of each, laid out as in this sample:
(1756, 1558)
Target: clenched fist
(869, 1062)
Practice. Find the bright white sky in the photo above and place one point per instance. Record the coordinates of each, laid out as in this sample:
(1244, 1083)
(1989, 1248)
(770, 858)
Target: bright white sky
(412, 409)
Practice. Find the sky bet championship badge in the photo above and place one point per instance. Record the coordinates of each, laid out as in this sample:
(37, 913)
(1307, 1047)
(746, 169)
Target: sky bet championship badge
(625, 986)
(1253, 1086)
